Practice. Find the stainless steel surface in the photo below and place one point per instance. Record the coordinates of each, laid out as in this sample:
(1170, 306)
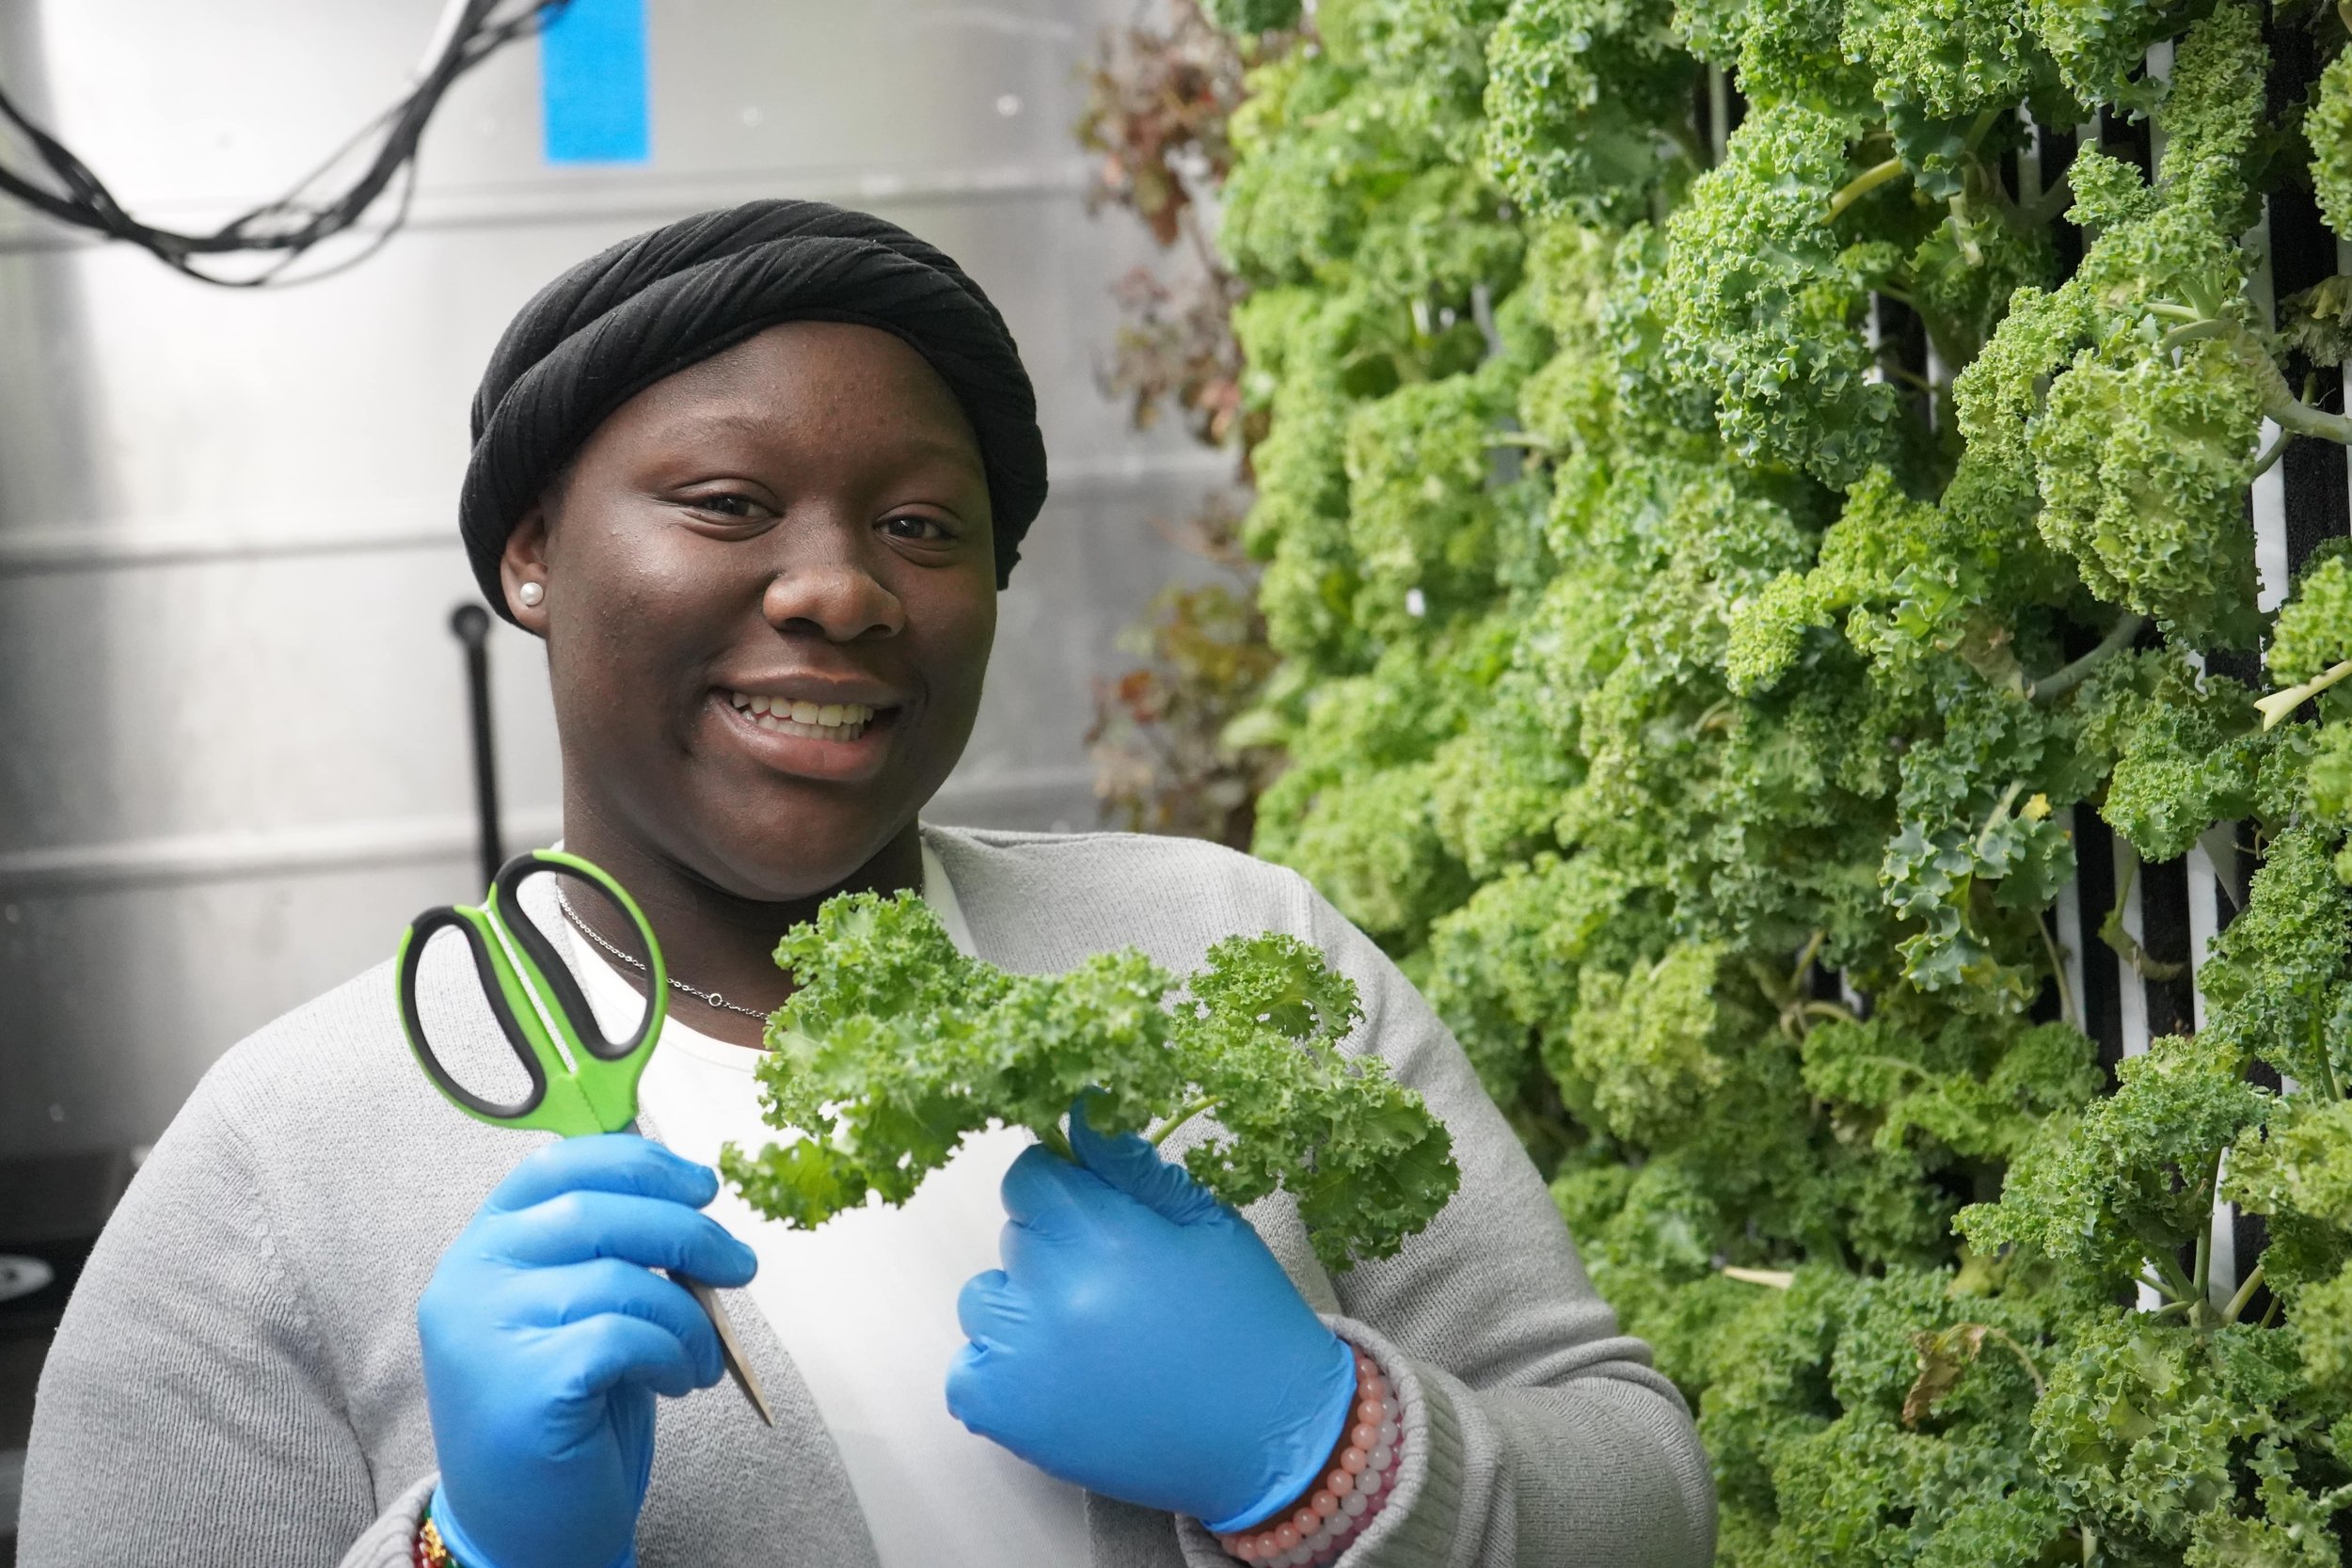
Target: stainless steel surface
(234, 757)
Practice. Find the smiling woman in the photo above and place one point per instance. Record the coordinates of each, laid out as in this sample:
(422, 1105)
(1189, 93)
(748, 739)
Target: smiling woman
(745, 555)
(755, 479)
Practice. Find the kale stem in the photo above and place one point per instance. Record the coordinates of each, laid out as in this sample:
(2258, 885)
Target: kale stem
(1778, 1279)
(1911, 1068)
(2191, 332)
(2290, 412)
(1804, 960)
(2201, 1285)
(2059, 682)
(2001, 809)
(1051, 1135)
(2058, 970)
(2051, 203)
(2113, 932)
(1861, 186)
(2210, 1187)
(2018, 1351)
(2270, 459)
(2176, 1284)
(1686, 139)
(2245, 1296)
(1206, 1102)
(2276, 706)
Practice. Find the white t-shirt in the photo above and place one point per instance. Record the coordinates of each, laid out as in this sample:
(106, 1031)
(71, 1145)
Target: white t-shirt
(866, 1303)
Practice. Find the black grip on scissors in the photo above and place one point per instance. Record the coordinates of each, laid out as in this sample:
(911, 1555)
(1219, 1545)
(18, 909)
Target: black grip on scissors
(420, 934)
(569, 999)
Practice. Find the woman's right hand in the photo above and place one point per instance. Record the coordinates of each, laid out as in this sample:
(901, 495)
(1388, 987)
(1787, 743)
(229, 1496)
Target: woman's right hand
(546, 1336)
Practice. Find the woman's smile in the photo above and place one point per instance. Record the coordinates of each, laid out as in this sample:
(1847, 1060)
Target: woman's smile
(809, 736)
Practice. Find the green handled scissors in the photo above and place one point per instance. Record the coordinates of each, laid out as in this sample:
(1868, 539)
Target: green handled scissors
(583, 1082)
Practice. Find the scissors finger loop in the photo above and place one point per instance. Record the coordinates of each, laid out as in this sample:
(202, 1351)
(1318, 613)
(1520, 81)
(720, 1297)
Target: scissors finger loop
(568, 997)
(467, 924)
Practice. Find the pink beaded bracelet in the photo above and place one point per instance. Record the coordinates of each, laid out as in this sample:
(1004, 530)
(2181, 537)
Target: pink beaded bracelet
(1354, 1485)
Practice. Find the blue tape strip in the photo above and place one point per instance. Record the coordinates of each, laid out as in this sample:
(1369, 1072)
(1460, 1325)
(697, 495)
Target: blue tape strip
(592, 83)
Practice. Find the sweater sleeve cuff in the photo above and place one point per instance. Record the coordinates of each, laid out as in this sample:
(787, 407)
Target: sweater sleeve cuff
(1417, 1526)
(392, 1541)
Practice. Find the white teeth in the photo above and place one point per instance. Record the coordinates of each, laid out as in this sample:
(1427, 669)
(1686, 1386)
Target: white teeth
(806, 720)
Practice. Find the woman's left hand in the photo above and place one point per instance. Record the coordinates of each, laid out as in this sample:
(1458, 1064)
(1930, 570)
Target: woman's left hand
(1141, 1341)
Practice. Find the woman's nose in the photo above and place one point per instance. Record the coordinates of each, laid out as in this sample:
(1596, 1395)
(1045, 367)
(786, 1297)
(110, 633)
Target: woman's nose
(832, 596)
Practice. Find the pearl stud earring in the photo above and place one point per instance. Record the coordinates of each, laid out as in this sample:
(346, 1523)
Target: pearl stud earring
(531, 593)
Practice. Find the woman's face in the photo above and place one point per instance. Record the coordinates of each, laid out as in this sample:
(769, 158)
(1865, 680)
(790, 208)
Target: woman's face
(769, 593)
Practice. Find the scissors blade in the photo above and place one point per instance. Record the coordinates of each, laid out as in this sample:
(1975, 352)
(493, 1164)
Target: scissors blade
(739, 1365)
(730, 1347)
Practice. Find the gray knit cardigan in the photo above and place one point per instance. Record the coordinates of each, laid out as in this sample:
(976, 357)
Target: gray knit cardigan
(237, 1377)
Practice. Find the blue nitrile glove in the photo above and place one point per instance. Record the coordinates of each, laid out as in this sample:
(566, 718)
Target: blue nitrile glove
(546, 1336)
(1141, 1342)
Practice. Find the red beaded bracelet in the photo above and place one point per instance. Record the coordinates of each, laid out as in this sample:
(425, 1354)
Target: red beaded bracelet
(1354, 1485)
(430, 1551)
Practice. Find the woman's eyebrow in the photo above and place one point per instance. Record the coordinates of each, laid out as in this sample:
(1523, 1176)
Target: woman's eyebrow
(942, 448)
(706, 423)
(738, 424)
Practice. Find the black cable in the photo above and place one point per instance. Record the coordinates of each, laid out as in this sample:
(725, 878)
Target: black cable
(289, 226)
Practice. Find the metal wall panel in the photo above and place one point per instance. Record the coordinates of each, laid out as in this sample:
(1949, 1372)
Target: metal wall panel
(233, 745)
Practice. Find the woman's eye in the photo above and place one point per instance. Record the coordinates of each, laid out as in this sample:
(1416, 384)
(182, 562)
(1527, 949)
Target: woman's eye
(927, 530)
(726, 505)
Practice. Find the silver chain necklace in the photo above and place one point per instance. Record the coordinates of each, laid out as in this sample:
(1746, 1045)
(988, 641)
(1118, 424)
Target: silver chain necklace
(708, 998)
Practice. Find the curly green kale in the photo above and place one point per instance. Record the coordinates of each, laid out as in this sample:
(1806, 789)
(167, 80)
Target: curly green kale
(1421, 516)
(1945, 59)
(2148, 1429)
(897, 1047)
(2298, 1173)
(1901, 1087)
(1974, 867)
(1252, 16)
(1434, 52)
(1357, 811)
(2314, 631)
(1323, 144)
(2329, 129)
(1586, 105)
(2144, 463)
(2276, 975)
(2135, 393)
(1789, 52)
(1722, 790)
(1641, 1048)
(2185, 754)
(2120, 1190)
(1761, 298)
(1503, 967)
(2101, 48)
(1568, 404)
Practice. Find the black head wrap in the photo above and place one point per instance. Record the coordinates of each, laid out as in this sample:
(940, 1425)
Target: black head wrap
(650, 307)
